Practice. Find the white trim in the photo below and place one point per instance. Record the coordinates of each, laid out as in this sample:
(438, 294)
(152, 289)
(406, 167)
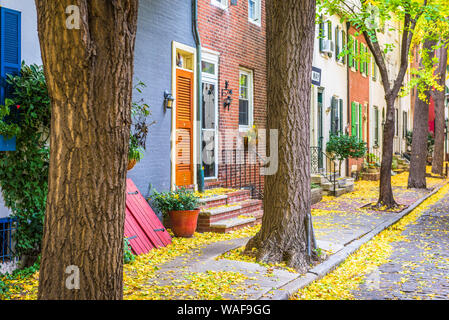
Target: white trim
(191, 50)
(213, 57)
(250, 74)
(219, 4)
(258, 20)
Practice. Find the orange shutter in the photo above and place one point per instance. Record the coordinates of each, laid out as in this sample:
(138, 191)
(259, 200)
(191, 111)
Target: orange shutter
(184, 128)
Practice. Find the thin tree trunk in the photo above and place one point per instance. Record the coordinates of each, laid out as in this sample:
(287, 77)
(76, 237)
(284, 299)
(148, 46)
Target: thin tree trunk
(386, 197)
(439, 97)
(89, 75)
(287, 201)
(418, 160)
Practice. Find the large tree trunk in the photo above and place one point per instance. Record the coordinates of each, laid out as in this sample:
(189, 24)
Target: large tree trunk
(418, 160)
(287, 200)
(89, 74)
(439, 97)
(385, 190)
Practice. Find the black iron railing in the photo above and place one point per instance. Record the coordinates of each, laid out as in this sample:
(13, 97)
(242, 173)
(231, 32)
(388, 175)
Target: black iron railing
(7, 227)
(242, 169)
(324, 166)
(374, 155)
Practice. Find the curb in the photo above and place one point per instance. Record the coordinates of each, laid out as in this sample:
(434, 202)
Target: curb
(285, 291)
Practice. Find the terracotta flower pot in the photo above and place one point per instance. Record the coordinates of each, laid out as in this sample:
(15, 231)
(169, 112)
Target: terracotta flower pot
(183, 223)
(131, 163)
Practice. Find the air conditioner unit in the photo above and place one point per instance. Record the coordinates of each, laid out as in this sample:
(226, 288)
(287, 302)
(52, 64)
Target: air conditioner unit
(328, 47)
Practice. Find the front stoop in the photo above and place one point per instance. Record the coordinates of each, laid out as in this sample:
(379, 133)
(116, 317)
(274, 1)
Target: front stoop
(328, 188)
(228, 212)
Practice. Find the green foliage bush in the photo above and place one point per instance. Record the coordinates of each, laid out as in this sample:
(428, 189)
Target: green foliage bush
(342, 147)
(24, 172)
(178, 200)
(128, 256)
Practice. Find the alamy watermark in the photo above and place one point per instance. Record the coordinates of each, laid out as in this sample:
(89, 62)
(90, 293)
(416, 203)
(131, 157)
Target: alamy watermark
(72, 282)
(73, 20)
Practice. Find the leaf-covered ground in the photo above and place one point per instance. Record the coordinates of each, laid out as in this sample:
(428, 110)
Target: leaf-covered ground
(209, 285)
(346, 279)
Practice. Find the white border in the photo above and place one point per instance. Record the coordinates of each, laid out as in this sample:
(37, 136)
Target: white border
(180, 46)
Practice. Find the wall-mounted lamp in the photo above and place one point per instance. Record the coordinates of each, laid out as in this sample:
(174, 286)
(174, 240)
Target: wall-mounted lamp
(168, 100)
(227, 92)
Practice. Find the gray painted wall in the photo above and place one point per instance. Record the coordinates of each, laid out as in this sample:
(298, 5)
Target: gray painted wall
(159, 24)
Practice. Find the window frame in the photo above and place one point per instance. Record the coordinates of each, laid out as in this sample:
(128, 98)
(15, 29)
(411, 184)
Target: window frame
(250, 74)
(220, 4)
(258, 12)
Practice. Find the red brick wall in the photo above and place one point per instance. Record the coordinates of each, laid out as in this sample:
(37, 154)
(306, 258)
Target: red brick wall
(359, 92)
(240, 43)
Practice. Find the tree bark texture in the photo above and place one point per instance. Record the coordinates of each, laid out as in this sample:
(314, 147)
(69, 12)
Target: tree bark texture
(391, 89)
(439, 97)
(89, 75)
(386, 197)
(287, 201)
(418, 160)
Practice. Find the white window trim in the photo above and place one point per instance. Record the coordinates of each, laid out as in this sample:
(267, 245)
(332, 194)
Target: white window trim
(258, 21)
(219, 3)
(249, 73)
(213, 57)
(193, 51)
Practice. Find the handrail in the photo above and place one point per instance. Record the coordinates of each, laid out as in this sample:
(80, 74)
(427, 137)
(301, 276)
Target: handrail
(318, 167)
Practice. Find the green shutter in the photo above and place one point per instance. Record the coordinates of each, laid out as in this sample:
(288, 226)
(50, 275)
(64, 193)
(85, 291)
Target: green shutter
(356, 54)
(360, 123)
(337, 43)
(321, 33)
(351, 51)
(341, 116)
(354, 119)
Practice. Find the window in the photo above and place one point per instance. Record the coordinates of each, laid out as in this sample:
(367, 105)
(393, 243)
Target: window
(245, 99)
(340, 40)
(336, 116)
(376, 126)
(325, 36)
(396, 122)
(404, 124)
(254, 11)
(220, 3)
(373, 69)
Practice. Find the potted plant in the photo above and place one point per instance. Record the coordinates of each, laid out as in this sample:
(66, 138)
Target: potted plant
(139, 129)
(342, 147)
(182, 207)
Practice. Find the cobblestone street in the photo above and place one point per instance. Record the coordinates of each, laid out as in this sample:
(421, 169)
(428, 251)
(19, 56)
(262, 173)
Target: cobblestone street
(419, 265)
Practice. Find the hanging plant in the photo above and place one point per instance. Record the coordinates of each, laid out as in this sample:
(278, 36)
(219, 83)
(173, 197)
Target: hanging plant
(139, 129)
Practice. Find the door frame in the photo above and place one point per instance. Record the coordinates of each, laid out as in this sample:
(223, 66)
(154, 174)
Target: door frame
(320, 126)
(176, 46)
(212, 57)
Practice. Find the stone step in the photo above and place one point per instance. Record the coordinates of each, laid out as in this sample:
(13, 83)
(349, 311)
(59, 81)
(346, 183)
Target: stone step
(214, 201)
(225, 199)
(228, 225)
(214, 215)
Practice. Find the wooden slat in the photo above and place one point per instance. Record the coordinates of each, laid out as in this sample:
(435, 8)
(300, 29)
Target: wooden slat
(184, 127)
(141, 221)
(148, 220)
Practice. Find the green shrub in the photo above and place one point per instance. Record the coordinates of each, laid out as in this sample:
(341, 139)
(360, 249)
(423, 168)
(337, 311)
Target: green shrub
(178, 200)
(24, 172)
(343, 147)
(128, 256)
